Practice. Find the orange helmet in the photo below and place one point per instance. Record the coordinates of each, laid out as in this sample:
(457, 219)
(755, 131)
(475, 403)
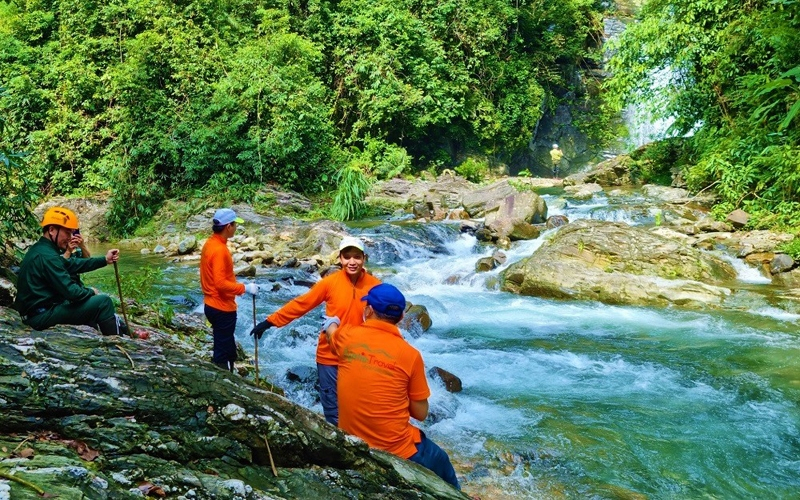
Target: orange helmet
(60, 216)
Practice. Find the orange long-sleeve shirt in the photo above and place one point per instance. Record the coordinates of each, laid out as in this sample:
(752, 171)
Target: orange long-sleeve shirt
(342, 298)
(216, 275)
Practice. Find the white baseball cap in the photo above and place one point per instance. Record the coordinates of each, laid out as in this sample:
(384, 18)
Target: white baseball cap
(350, 241)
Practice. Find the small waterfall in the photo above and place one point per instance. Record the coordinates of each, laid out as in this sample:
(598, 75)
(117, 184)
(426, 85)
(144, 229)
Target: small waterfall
(643, 127)
(745, 273)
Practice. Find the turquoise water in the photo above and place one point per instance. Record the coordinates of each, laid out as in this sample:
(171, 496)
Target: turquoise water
(572, 399)
(610, 401)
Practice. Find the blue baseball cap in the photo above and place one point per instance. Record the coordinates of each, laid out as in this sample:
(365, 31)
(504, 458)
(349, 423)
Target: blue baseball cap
(225, 216)
(387, 300)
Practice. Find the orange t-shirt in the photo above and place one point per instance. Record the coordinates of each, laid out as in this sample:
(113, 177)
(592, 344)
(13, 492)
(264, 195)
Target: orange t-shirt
(342, 298)
(216, 275)
(379, 375)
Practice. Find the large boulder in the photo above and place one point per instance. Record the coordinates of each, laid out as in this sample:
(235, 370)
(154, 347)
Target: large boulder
(441, 194)
(514, 214)
(85, 416)
(509, 209)
(666, 194)
(760, 241)
(619, 264)
(487, 198)
(612, 172)
(583, 191)
(91, 213)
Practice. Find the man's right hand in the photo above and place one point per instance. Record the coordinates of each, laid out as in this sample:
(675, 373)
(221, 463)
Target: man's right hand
(112, 256)
(260, 328)
(74, 242)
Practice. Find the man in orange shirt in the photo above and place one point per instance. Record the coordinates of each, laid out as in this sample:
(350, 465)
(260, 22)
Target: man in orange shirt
(382, 383)
(220, 287)
(342, 292)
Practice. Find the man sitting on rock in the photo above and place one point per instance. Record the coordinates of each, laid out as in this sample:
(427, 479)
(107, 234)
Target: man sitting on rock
(47, 294)
(382, 383)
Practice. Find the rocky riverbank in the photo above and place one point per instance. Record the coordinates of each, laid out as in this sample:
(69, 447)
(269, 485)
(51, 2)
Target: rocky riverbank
(85, 416)
(603, 261)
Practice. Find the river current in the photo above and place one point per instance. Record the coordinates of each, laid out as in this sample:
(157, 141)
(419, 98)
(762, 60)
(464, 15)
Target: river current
(566, 399)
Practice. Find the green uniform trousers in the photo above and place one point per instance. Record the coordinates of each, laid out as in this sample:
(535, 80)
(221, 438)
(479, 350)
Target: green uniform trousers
(90, 312)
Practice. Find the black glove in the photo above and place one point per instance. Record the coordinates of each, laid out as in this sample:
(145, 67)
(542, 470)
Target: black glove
(260, 328)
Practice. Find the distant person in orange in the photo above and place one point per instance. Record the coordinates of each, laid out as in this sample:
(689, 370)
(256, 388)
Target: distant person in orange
(342, 292)
(220, 287)
(382, 384)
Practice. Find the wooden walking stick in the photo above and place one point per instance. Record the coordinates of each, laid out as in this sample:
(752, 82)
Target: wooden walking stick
(271, 461)
(121, 300)
(255, 341)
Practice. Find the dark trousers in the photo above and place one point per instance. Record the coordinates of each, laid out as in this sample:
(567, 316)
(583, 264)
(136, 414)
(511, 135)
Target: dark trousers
(90, 312)
(223, 325)
(429, 455)
(328, 376)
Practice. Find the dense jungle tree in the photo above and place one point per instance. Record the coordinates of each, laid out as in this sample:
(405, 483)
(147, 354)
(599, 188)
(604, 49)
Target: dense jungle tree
(19, 194)
(149, 99)
(727, 72)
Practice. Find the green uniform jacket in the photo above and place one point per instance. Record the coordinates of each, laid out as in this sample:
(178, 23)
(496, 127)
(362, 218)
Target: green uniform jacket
(44, 278)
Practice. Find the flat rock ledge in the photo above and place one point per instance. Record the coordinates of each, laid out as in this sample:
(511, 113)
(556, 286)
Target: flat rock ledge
(85, 416)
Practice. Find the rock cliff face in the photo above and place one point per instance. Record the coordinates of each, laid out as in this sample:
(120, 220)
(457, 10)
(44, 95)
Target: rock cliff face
(85, 416)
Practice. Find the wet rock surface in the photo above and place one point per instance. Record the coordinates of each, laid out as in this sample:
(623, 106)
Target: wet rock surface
(85, 416)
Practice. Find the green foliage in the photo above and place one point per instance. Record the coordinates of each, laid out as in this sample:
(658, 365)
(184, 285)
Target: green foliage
(147, 100)
(658, 217)
(473, 169)
(19, 196)
(477, 72)
(727, 72)
(791, 248)
(353, 187)
(140, 285)
(521, 186)
(162, 312)
(387, 160)
(141, 288)
(654, 163)
(276, 108)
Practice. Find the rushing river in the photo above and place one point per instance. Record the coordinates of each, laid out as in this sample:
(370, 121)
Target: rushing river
(565, 399)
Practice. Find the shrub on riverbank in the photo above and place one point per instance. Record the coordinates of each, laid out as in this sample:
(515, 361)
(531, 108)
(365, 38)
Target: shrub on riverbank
(725, 74)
